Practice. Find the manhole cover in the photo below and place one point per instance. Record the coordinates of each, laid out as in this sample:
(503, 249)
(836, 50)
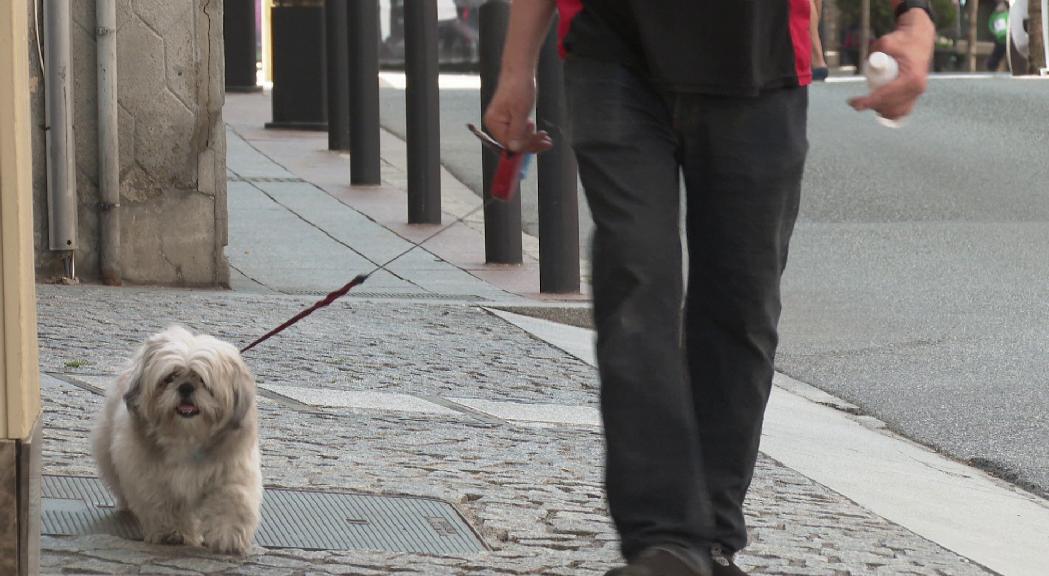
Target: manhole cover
(303, 519)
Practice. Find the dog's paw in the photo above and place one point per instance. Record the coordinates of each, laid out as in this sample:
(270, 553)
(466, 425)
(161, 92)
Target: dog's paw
(234, 540)
(170, 537)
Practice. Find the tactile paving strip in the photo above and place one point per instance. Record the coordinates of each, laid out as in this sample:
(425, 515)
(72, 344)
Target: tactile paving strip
(310, 520)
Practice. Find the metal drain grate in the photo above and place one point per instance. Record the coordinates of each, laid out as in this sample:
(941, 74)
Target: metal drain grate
(303, 519)
(386, 295)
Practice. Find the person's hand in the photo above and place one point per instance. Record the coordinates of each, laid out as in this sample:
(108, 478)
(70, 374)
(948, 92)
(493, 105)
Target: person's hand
(507, 117)
(911, 44)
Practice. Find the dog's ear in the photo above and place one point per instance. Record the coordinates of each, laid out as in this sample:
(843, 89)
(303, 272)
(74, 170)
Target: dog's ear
(131, 396)
(136, 372)
(243, 394)
(134, 382)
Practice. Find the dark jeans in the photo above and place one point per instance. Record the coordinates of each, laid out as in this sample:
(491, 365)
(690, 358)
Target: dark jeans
(683, 391)
(996, 56)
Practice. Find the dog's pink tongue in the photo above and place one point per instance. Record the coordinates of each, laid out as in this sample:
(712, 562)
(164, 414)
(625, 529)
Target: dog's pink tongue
(187, 409)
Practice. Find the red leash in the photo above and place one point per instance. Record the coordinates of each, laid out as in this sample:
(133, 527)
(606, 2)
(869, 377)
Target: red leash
(321, 304)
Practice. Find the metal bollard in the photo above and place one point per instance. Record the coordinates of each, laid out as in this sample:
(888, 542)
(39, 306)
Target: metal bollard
(423, 113)
(238, 34)
(502, 220)
(558, 196)
(298, 65)
(364, 92)
(337, 58)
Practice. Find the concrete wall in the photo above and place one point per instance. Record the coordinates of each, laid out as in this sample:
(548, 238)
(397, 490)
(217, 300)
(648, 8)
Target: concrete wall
(172, 143)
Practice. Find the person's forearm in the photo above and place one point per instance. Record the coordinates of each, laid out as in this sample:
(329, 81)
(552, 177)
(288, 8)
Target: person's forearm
(529, 22)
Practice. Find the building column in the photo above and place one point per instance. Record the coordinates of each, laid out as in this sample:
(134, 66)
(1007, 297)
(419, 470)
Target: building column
(19, 360)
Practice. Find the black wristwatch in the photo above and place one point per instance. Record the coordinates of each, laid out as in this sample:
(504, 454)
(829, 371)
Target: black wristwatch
(919, 4)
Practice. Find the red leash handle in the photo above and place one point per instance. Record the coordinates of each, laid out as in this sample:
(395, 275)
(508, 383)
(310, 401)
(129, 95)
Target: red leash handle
(507, 174)
(321, 304)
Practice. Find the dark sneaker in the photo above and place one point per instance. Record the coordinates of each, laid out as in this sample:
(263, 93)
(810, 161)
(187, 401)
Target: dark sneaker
(722, 564)
(662, 562)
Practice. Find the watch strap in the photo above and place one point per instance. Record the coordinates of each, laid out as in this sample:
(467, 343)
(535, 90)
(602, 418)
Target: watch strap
(906, 5)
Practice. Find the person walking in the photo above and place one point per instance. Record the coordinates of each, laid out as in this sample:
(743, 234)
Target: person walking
(998, 23)
(819, 61)
(712, 92)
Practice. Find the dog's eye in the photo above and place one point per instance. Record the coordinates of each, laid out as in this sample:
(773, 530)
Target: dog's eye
(170, 378)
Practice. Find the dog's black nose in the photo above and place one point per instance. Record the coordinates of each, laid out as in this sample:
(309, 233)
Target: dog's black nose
(185, 389)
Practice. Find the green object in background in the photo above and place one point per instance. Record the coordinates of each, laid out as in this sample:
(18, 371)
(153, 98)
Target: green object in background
(999, 25)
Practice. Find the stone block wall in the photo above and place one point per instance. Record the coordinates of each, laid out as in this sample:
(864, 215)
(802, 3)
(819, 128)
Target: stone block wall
(172, 143)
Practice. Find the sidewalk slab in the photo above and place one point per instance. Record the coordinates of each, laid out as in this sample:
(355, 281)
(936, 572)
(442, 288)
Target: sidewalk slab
(290, 236)
(373, 219)
(533, 493)
(300, 258)
(535, 413)
(364, 400)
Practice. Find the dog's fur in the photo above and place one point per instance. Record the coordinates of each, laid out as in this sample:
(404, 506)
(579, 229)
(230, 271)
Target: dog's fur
(177, 442)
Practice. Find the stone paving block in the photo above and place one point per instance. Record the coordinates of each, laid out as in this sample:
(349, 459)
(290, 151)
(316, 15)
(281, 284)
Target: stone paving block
(257, 570)
(360, 399)
(453, 350)
(548, 413)
(95, 566)
(180, 51)
(197, 564)
(170, 130)
(122, 555)
(140, 78)
(164, 145)
(166, 571)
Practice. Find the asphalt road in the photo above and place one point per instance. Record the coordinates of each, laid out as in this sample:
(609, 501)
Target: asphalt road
(918, 286)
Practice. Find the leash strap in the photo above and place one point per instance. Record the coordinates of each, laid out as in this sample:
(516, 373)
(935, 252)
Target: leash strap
(321, 304)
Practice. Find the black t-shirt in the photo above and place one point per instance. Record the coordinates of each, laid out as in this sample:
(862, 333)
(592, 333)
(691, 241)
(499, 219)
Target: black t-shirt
(728, 47)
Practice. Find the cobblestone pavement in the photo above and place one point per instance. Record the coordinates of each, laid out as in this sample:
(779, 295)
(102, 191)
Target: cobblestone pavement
(352, 345)
(532, 492)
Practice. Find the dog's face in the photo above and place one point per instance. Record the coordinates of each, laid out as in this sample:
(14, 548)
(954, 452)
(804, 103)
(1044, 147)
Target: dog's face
(188, 387)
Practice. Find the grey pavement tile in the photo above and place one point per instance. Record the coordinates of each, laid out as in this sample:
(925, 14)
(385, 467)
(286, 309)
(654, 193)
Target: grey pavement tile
(372, 239)
(293, 236)
(526, 412)
(95, 566)
(274, 247)
(360, 399)
(197, 564)
(246, 162)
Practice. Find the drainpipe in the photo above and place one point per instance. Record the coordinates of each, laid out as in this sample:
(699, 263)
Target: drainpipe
(1044, 71)
(108, 143)
(61, 148)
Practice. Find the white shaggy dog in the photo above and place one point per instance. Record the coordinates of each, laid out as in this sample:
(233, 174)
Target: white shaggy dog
(177, 442)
